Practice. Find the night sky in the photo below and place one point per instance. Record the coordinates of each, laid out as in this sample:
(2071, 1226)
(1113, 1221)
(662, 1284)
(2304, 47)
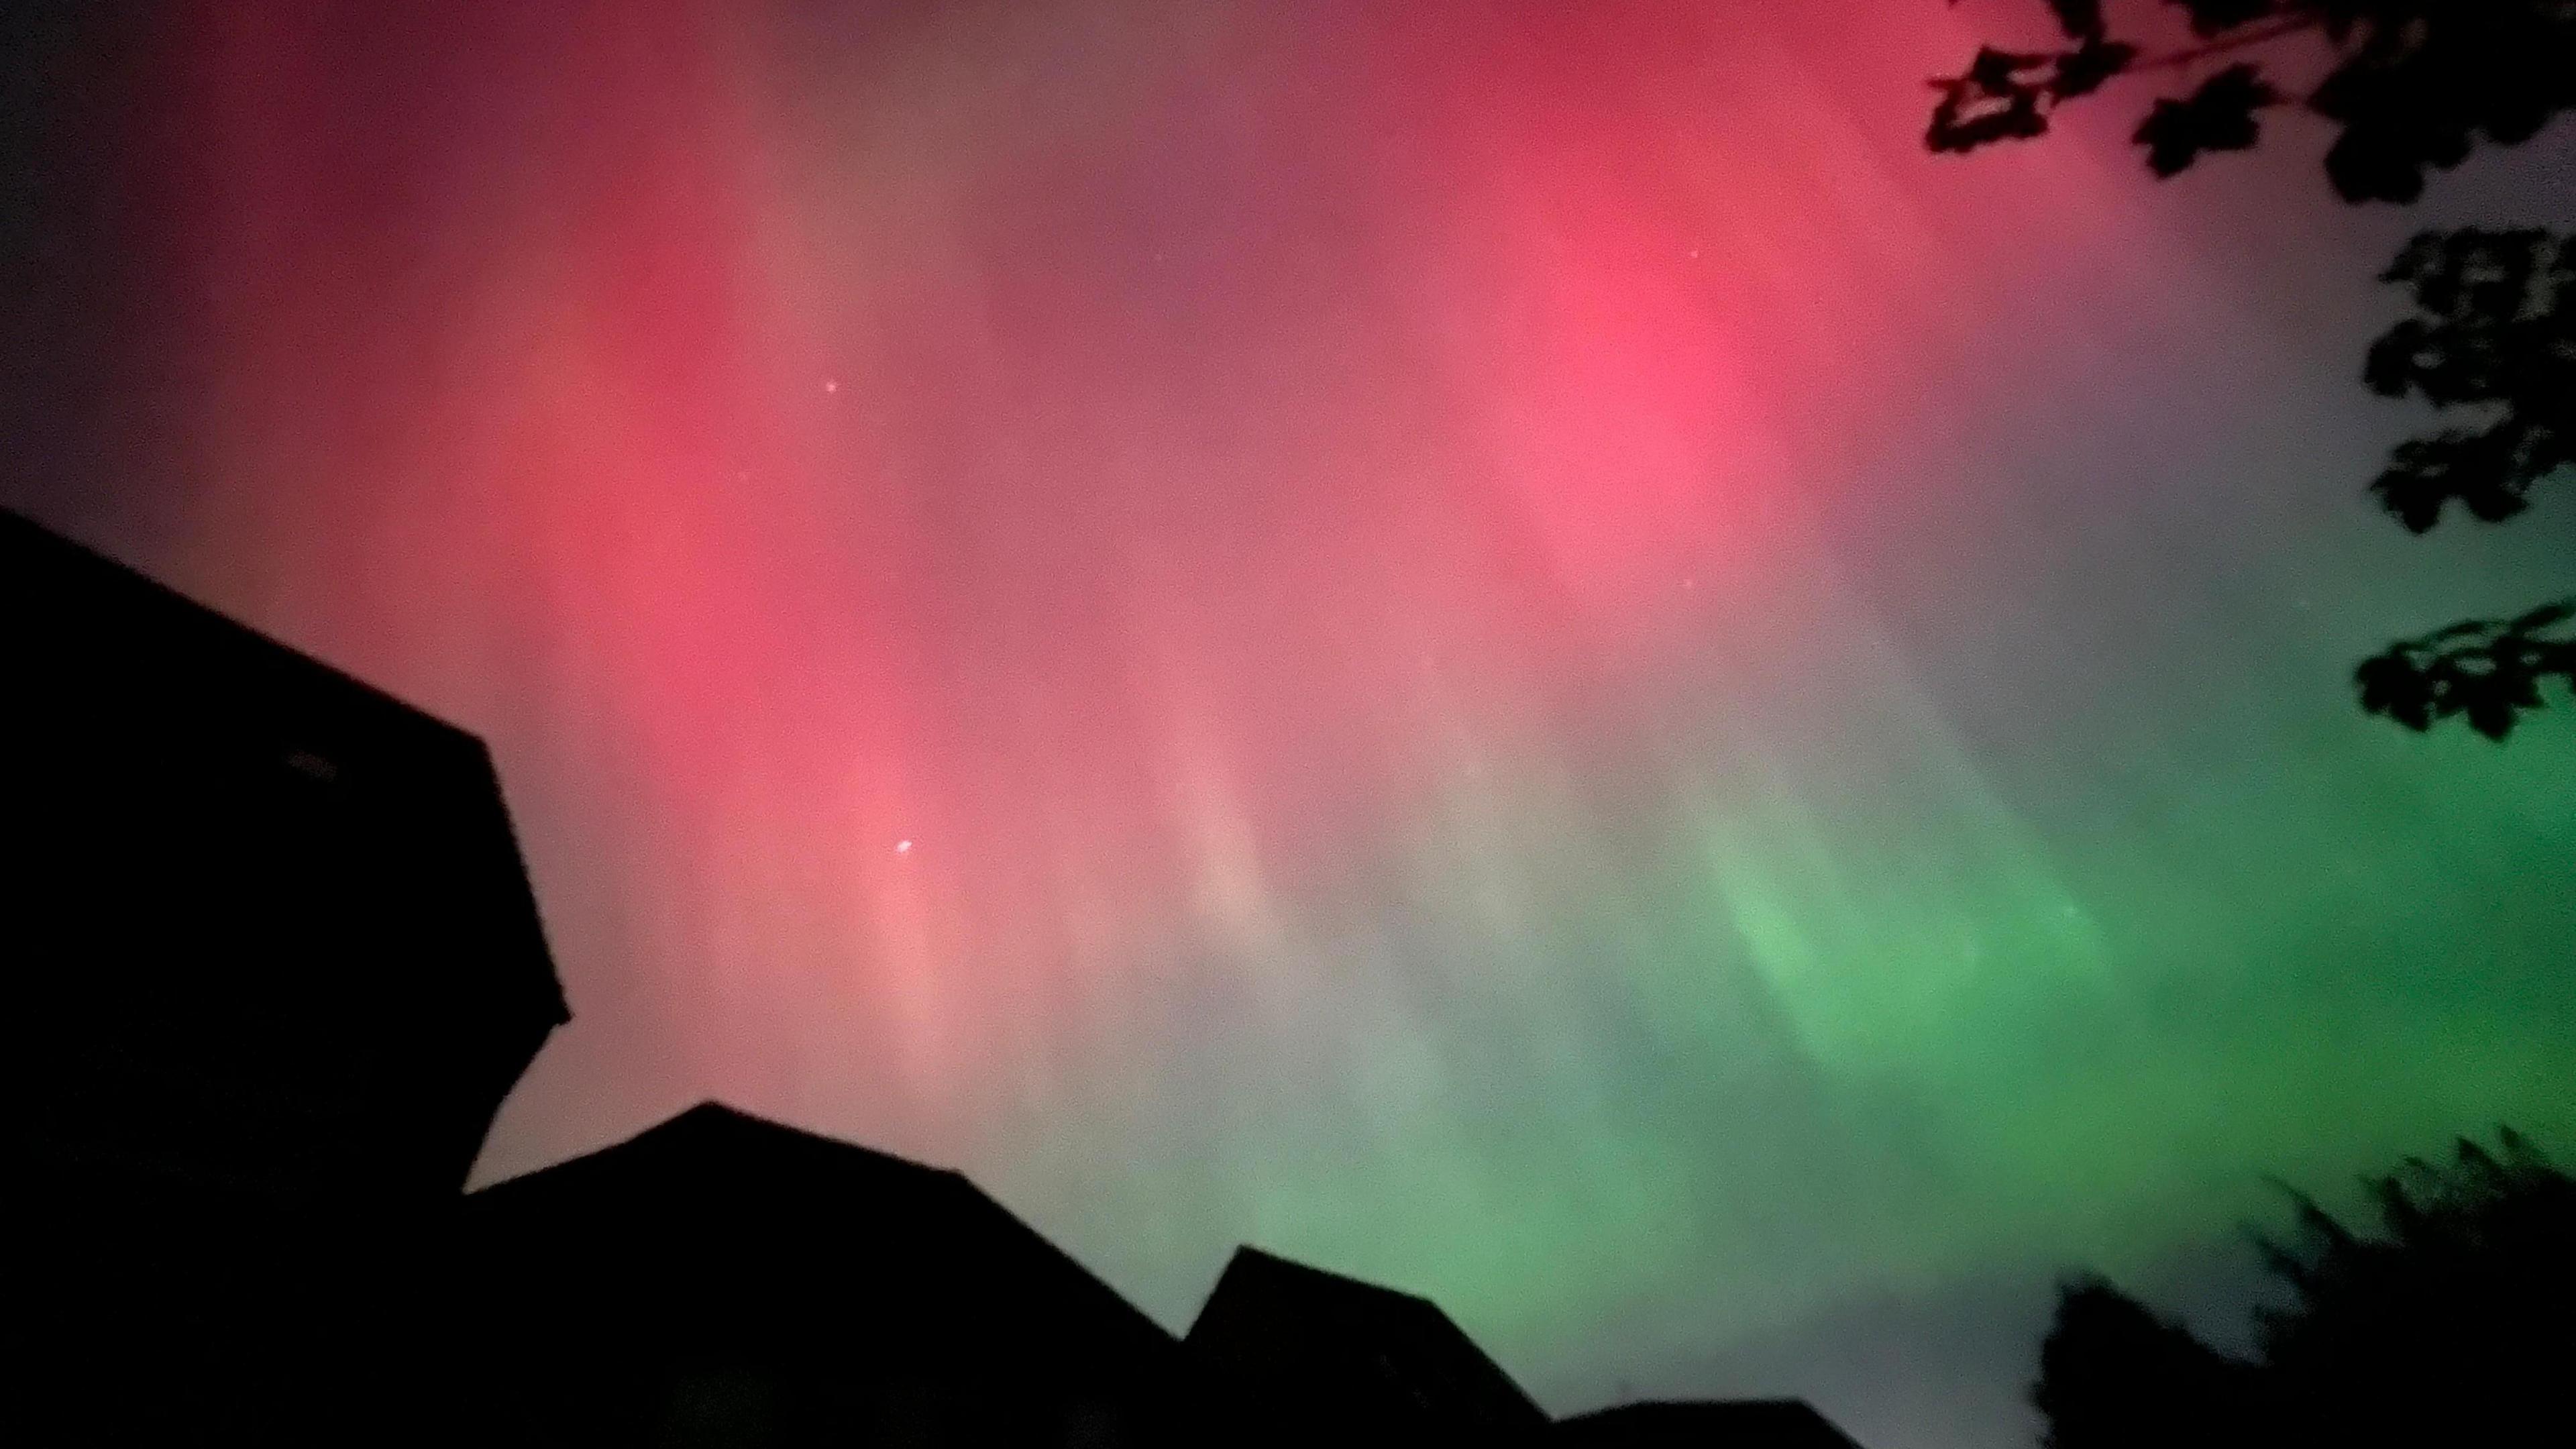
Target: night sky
(1508, 646)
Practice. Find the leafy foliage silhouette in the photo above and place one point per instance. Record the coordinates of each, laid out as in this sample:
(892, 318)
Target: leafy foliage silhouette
(2217, 117)
(2114, 1375)
(2413, 85)
(2488, 670)
(2410, 86)
(2453, 1323)
(2498, 331)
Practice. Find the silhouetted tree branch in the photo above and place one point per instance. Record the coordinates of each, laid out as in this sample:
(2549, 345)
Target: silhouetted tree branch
(2490, 670)
(2411, 86)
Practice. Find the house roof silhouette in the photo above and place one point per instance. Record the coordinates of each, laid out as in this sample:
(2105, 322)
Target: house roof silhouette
(797, 1196)
(278, 964)
(277, 923)
(1311, 1351)
(796, 1288)
(284, 963)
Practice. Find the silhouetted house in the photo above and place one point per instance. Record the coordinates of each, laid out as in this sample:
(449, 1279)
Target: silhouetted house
(721, 1279)
(1703, 1424)
(1306, 1356)
(274, 964)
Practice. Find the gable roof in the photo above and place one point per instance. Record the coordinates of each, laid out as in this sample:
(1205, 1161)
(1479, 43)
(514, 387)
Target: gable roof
(786, 1221)
(1342, 1350)
(1264, 1283)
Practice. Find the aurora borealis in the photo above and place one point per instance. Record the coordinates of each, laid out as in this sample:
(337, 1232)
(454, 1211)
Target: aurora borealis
(1504, 646)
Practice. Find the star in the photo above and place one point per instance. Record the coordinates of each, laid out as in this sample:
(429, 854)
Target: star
(903, 847)
(831, 384)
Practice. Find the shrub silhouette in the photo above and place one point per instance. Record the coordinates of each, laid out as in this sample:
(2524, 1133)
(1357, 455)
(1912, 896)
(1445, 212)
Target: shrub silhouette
(2114, 1375)
(2453, 1323)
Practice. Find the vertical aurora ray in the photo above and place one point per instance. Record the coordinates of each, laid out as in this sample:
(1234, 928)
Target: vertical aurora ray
(1504, 646)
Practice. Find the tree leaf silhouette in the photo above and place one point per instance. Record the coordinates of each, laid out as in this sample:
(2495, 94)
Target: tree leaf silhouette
(2490, 671)
(2080, 19)
(2410, 87)
(2496, 331)
(2217, 117)
(2089, 67)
